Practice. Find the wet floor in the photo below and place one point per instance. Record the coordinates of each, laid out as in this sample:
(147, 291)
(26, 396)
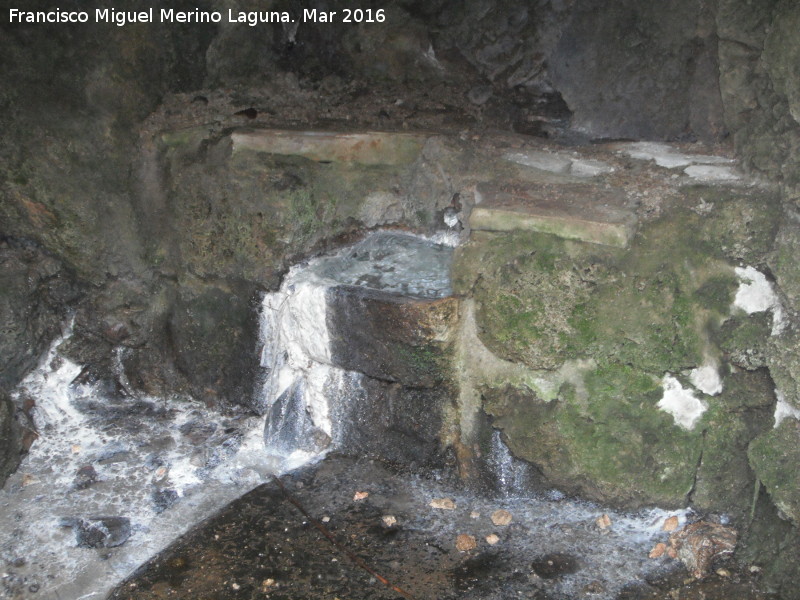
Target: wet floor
(352, 530)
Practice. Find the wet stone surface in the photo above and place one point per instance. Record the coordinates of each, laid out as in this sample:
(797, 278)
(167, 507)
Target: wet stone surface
(263, 546)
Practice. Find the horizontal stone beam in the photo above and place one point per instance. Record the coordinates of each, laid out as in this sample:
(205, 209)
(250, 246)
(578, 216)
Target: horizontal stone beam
(369, 148)
(573, 212)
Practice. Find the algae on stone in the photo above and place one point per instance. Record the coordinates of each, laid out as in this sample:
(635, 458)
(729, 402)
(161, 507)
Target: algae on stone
(775, 458)
(607, 441)
(526, 285)
(741, 412)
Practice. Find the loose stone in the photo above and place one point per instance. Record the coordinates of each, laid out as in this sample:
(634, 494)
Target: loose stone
(443, 503)
(492, 539)
(603, 522)
(360, 496)
(670, 524)
(465, 542)
(699, 544)
(501, 517)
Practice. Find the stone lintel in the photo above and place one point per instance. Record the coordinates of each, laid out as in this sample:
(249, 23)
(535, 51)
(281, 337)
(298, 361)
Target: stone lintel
(368, 148)
(571, 211)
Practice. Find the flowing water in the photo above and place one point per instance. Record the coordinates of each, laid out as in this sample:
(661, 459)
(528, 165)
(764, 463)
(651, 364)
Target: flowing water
(113, 479)
(304, 388)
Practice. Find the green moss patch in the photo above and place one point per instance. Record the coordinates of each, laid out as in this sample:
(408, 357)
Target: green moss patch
(775, 458)
(606, 439)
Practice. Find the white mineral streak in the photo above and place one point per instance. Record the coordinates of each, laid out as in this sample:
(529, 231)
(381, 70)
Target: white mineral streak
(584, 167)
(756, 294)
(712, 173)
(666, 156)
(707, 379)
(681, 403)
(784, 410)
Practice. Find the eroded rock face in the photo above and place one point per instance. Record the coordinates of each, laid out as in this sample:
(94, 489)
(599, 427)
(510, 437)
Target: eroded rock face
(10, 446)
(628, 69)
(35, 294)
(774, 456)
(646, 411)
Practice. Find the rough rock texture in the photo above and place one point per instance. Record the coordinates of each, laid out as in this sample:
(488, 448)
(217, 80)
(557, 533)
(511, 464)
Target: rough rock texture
(606, 441)
(34, 296)
(642, 70)
(724, 480)
(9, 438)
(630, 315)
(390, 337)
(394, 423)
(774, 456)
(772, 543)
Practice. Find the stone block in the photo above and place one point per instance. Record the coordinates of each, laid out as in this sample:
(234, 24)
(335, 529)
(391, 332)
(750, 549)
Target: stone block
(370, 148)
(571, 211)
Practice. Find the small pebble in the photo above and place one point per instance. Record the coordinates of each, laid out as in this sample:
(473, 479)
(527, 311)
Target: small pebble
(603, 522)
(658, 550)
(723, 573)
(671, 524)
(474, 514)
(360, 496)
(501, 517)
(443, 503)
(235, 586)
(465, 542)
(326, 519)
(389, 520)
(492, 539)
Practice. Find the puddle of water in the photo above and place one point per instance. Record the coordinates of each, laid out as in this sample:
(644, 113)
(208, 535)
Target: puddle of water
(550, 550)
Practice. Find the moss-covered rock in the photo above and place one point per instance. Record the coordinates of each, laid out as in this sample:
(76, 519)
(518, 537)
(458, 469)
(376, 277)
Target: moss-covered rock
(527, 287)
(605, 439)
(784, 263)
(661, 306)
(775, 458)
(542, 300)
(744, 339)
(725, 482)
(244, 214)
(667, 294)
(783, 360)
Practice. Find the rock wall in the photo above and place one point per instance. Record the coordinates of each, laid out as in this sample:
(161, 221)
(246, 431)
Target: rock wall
(126, 202)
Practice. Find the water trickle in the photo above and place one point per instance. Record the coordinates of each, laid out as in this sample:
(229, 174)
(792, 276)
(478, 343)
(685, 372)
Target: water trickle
(513, 475)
